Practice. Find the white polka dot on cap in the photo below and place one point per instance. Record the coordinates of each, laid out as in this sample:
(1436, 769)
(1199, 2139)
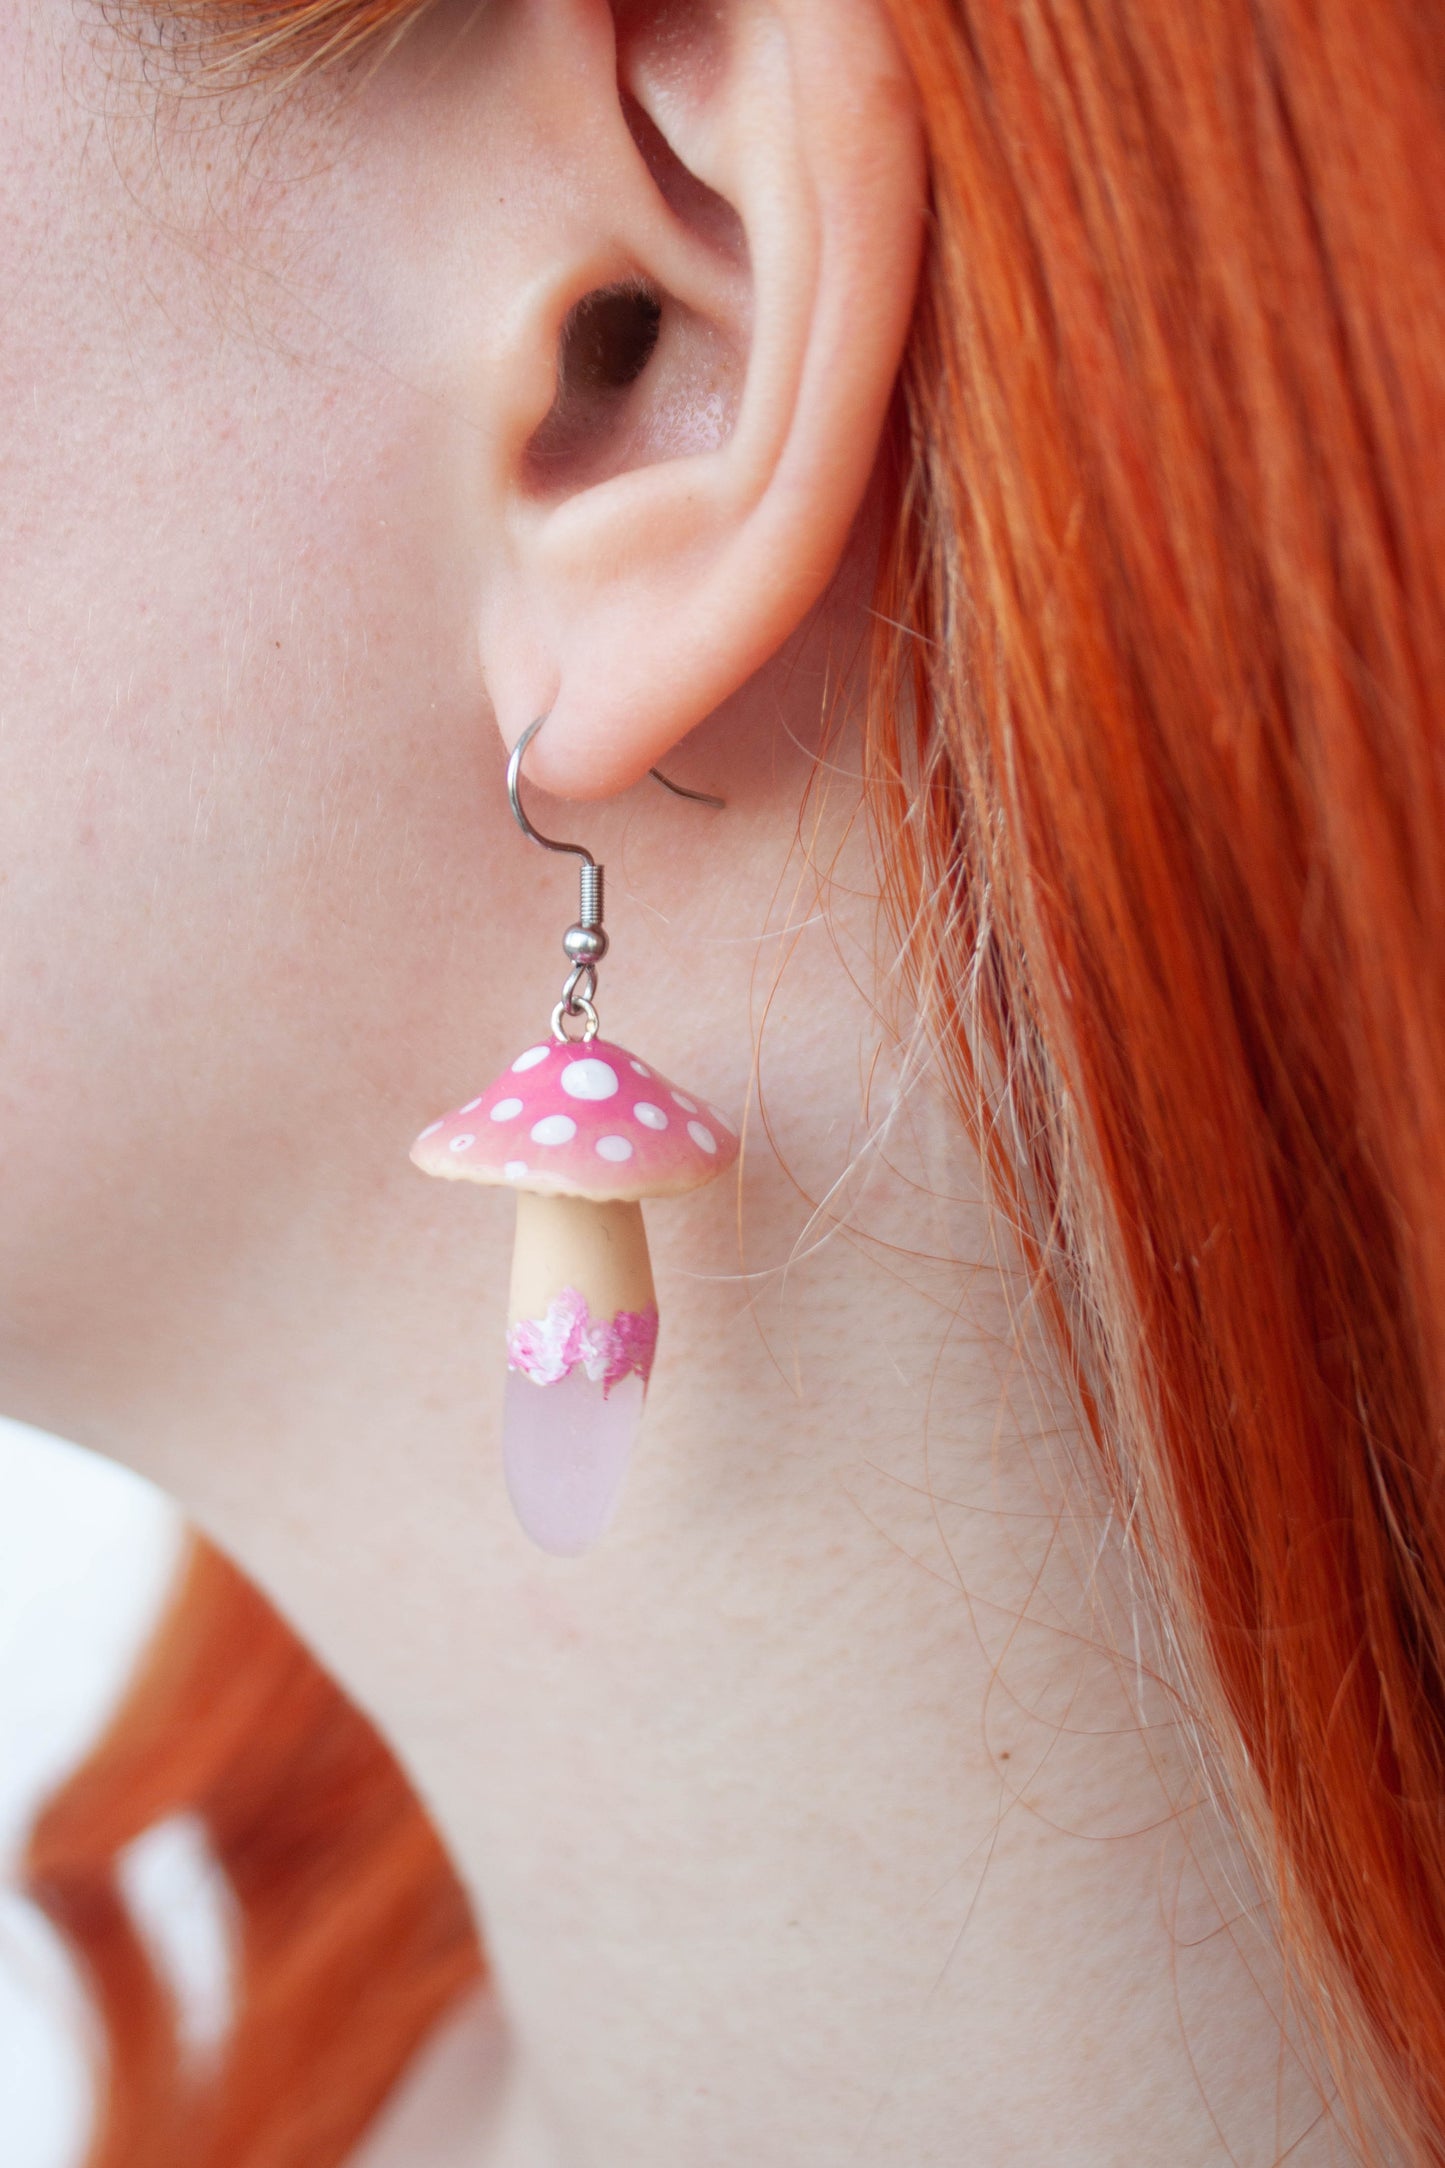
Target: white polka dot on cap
(589, 1078)
(614, 1148)
(530, 1059)
(689, 1106)
(554, 1129)
(459, 1144)
(701, 1135)
(506, 1110)
(651, 1117)
(515, 1169)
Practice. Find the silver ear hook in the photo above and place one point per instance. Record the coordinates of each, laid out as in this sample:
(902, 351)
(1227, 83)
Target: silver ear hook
(514, 798)
(578, 850)
(584, 944)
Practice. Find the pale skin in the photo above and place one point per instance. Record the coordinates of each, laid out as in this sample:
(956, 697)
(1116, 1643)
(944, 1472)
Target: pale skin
(825, 1813)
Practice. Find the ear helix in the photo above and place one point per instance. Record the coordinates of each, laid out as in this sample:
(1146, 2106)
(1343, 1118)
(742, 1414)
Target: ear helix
(582, 1131)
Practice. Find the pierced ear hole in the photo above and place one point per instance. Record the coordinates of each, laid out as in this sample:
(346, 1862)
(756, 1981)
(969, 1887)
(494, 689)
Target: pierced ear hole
(608, 339)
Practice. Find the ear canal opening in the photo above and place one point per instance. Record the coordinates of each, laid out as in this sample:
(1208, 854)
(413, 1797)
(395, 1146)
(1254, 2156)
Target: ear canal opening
(640, 378)
(608, 340)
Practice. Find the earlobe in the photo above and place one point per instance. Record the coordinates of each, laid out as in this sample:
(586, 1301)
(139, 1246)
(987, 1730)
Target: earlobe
(689, 493)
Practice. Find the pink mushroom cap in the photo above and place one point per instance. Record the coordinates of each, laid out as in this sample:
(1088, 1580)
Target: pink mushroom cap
(581, 1119)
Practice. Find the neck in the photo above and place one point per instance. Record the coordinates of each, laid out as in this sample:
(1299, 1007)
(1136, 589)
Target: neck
(816, 1790)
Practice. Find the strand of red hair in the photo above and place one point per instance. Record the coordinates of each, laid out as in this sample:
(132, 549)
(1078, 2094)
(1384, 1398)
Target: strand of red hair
(353, 1933)
(1163, 734)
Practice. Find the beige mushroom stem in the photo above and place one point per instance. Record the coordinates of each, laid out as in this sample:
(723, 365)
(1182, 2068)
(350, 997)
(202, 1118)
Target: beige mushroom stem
(599, 1249)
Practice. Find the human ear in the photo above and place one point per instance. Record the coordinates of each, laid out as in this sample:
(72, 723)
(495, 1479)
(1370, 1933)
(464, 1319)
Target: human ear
(686, 399)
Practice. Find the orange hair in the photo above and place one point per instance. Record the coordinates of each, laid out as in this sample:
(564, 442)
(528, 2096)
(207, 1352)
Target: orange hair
(354, 1934)
(1165, 739)
(1154, 763)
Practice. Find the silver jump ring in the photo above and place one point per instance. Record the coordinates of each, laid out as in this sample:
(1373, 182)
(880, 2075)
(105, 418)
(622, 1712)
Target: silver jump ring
(581, 1006)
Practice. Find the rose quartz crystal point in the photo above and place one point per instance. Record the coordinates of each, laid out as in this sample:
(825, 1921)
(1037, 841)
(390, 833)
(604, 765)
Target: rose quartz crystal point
(583, 1132)
(575, 1388)
(565, 1449)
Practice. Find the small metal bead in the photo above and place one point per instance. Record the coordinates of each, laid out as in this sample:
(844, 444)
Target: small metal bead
(585, 944)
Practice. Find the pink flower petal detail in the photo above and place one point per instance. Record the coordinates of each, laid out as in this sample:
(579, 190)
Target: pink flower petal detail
(549, 1348)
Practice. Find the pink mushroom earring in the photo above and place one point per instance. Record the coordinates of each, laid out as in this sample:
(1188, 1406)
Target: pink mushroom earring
(582, 1131)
